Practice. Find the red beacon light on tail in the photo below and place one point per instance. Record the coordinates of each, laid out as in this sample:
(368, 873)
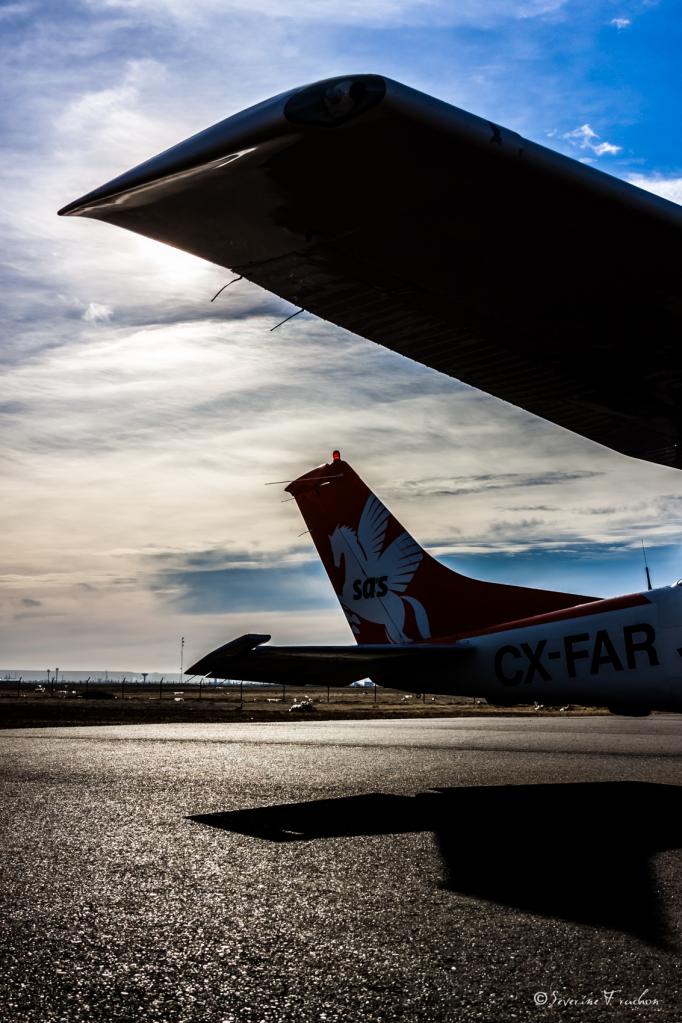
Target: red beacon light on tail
(336, 456)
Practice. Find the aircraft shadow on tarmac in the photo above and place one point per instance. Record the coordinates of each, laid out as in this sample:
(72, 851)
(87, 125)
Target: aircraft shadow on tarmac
(579, 852)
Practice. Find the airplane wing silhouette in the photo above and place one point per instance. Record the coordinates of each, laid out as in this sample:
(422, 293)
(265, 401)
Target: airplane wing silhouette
(444, 237)
(247, 658)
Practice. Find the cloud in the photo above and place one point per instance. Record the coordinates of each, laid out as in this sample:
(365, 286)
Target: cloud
(668, 188)
(585, 137)
(382, 13)
(459, 485)
(535, 507)
(257, 588)
(620, 23)
(30, 602)
(607, 510)
(575, 567)
(97, 312)
(18, 10)
(90, 312)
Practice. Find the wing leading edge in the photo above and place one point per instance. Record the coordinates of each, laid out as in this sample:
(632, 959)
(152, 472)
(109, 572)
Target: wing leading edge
(444, 237)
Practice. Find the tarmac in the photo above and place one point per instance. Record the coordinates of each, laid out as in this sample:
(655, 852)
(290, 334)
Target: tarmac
(444, 869)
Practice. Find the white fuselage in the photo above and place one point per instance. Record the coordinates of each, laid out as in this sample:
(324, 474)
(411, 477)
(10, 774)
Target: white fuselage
(627, 656)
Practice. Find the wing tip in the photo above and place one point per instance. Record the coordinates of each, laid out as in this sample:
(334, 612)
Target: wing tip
(70, 209)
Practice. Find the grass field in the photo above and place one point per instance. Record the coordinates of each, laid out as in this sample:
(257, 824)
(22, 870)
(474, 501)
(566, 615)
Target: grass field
(144, 705)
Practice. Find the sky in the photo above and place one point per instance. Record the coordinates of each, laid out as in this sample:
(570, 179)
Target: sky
(140, 423)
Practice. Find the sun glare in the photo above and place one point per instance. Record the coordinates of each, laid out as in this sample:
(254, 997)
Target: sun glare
(173, 264)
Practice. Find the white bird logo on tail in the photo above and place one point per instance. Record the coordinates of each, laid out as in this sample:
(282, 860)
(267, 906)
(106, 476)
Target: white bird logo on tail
(376, 579)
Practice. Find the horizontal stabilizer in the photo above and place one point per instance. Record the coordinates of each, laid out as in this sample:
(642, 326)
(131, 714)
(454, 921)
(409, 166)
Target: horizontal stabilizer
(246, 658)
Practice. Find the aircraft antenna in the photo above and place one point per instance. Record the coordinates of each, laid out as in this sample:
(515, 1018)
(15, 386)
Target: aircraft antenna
(646, 568)
(233, 281)
(286, 320)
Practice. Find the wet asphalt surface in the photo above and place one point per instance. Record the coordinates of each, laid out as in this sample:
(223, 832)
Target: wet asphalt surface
(343, 871)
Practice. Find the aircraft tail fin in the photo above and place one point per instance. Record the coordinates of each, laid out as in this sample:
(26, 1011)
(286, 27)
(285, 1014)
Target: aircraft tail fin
(390, 589)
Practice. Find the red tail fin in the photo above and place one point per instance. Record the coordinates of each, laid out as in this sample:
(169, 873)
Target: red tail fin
(388, 586)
